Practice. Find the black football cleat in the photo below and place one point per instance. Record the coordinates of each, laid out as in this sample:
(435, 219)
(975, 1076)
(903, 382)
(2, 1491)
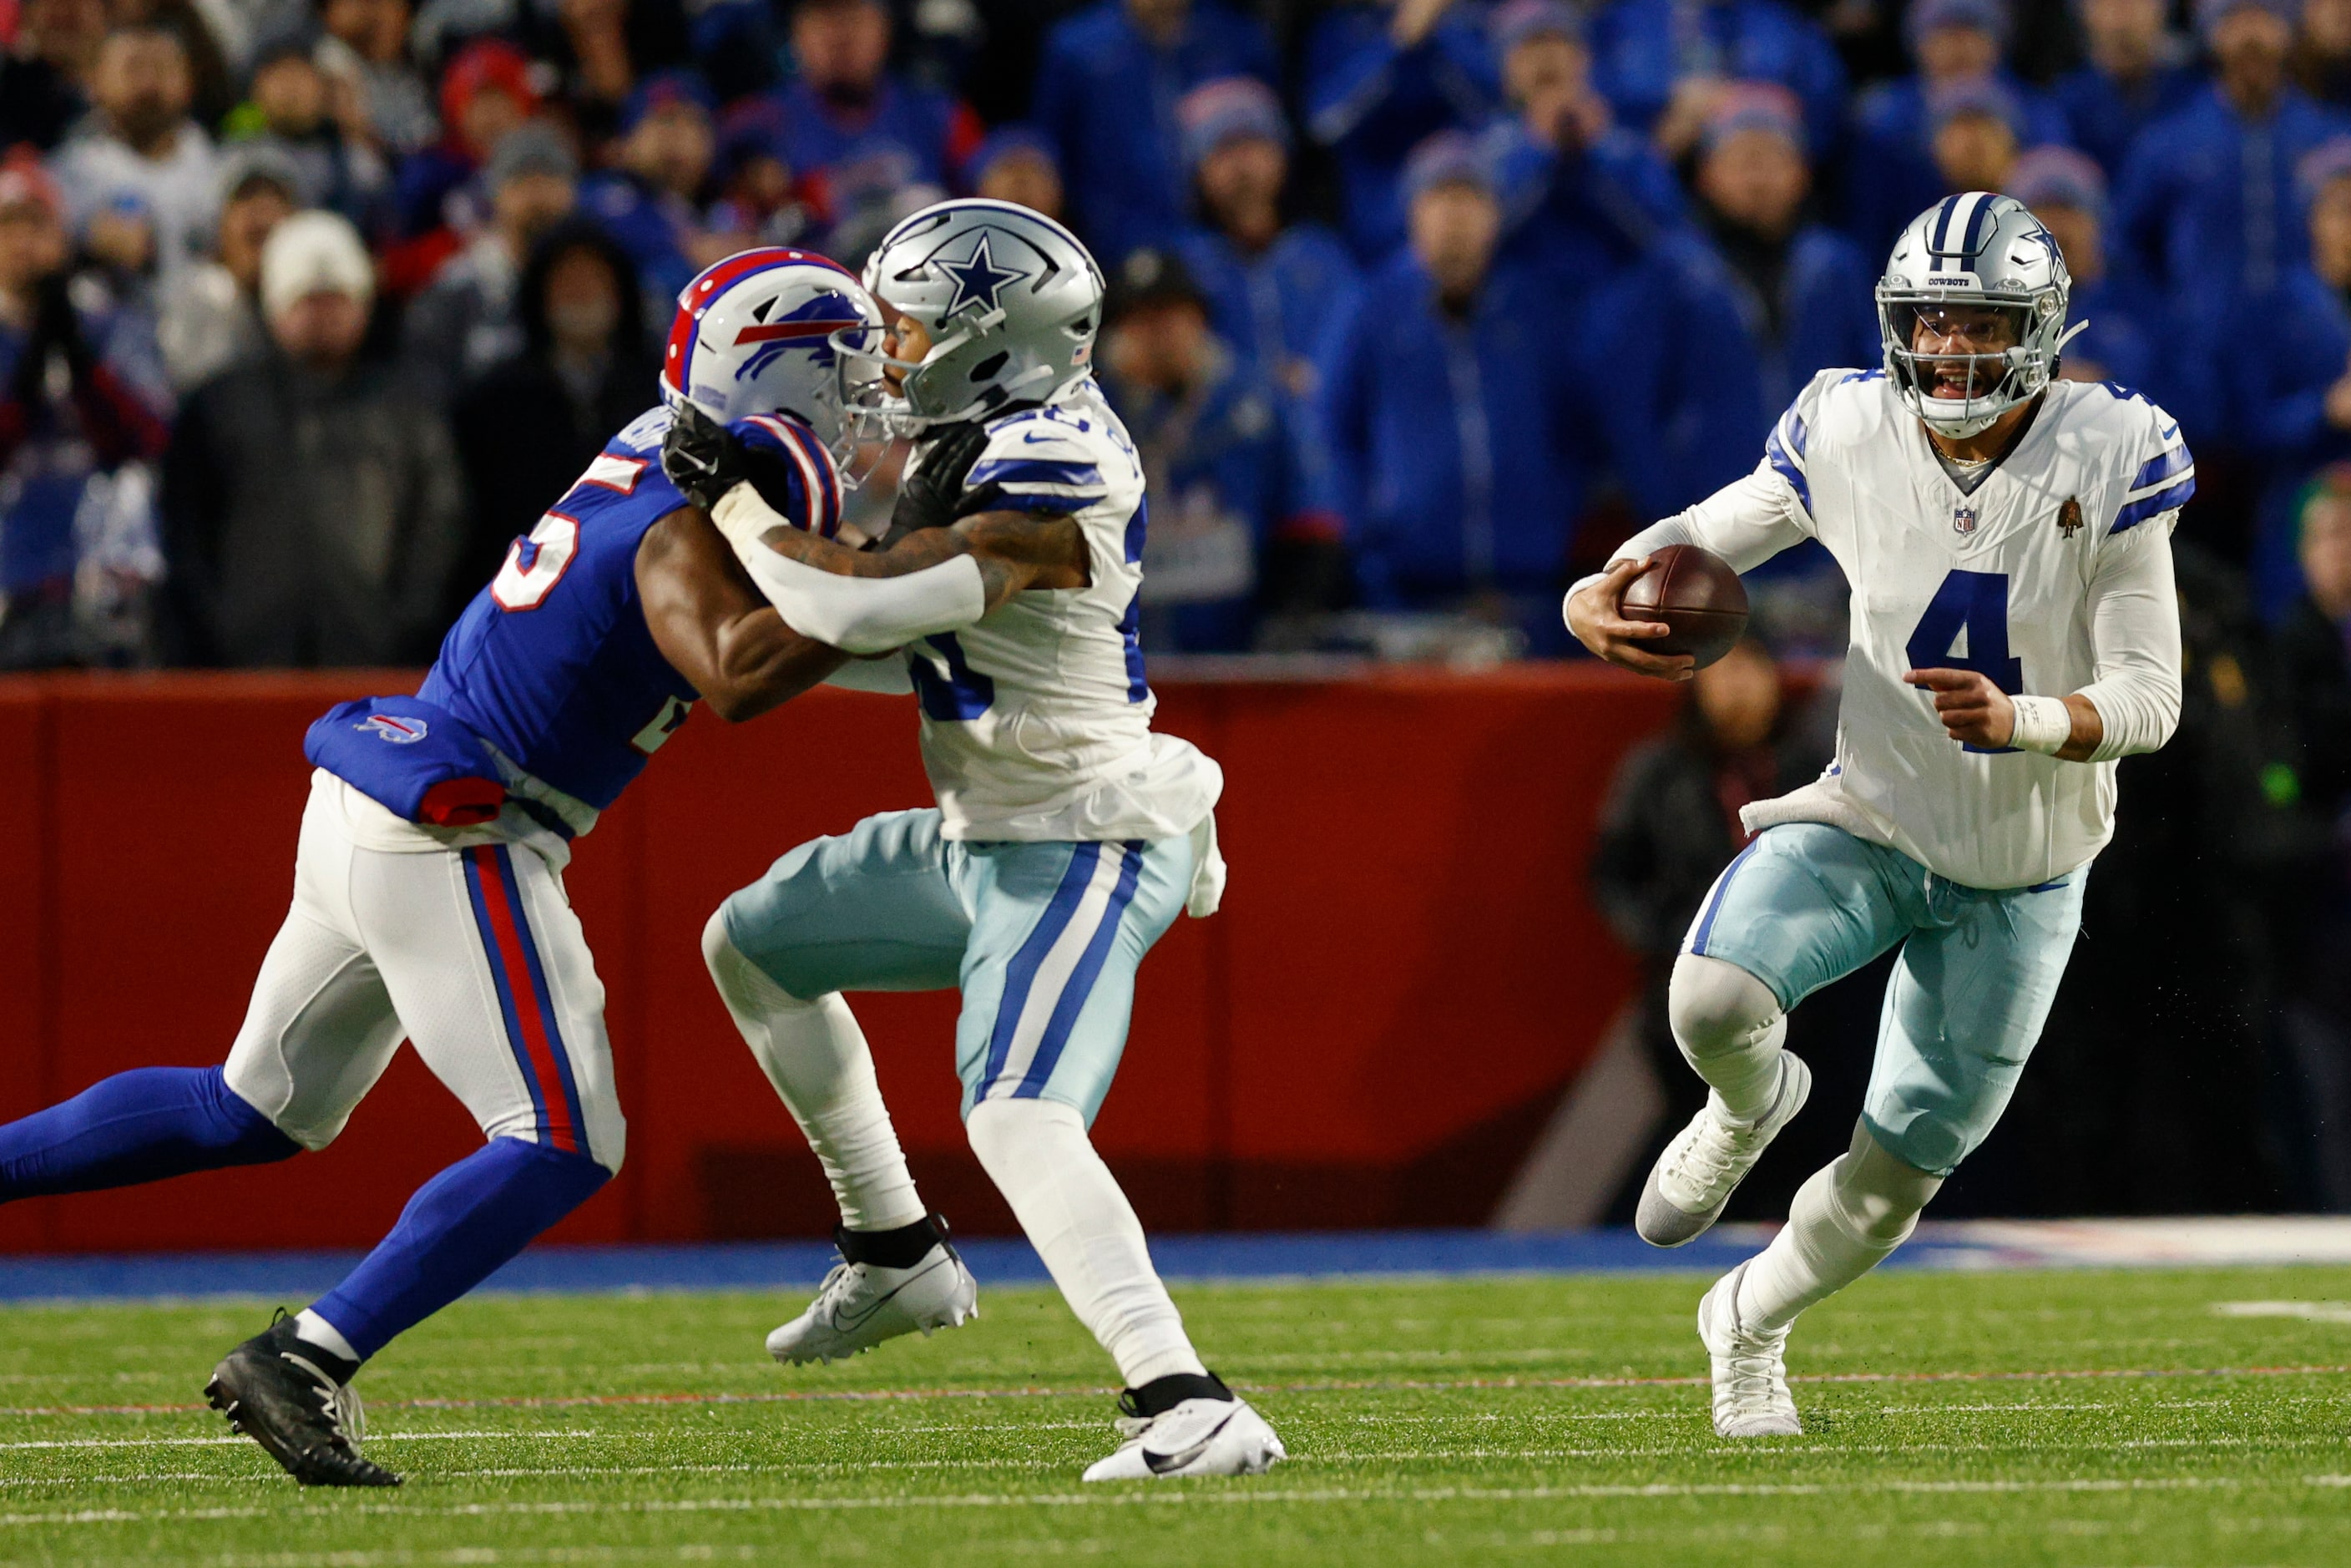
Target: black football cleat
(286, 1395)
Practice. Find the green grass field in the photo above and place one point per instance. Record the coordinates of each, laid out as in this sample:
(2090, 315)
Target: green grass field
(2013, 1419)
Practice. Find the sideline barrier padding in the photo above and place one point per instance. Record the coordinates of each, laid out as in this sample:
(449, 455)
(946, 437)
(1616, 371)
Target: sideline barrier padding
(1405, 975)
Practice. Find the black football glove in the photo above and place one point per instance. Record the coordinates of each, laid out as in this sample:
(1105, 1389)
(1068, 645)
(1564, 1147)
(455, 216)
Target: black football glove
(705, 460)
(932, 495)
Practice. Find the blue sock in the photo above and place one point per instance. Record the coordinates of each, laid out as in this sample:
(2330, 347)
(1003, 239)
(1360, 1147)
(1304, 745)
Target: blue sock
(455, 1233)
(133, 1127)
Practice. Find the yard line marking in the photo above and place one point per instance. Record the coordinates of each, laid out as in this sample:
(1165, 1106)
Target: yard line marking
(1166, 1497)
(1370, 1386)
(239, 1442)
(2308, 1311)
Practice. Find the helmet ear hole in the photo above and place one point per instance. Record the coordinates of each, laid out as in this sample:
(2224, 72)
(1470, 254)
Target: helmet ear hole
(990, 367)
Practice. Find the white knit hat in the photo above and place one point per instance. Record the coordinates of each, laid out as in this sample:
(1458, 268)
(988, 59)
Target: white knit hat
(314, 253)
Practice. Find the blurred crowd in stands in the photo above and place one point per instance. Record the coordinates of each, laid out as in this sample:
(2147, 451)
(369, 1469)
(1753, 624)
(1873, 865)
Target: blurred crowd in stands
(308, 307)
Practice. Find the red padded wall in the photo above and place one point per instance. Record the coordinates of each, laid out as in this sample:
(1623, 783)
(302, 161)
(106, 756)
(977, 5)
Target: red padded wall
(1406, 973)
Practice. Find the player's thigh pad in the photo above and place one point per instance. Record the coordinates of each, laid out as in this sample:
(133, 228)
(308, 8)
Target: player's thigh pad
(320, 1028)
(1058, 932)
(490, 971)
(872, 909)
(1966, 1006)
(1806, 904)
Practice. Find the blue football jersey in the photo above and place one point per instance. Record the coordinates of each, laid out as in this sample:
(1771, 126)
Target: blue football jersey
(553, 662)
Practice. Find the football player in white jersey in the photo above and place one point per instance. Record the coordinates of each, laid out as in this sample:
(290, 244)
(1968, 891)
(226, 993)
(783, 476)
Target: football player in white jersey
(1067, 838)
(2006, 537)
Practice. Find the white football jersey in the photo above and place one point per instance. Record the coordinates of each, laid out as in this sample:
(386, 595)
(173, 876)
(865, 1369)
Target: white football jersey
(2004, 581)
(1037, 718)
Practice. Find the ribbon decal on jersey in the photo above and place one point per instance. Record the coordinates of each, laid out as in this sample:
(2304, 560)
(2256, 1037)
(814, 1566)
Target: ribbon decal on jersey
(418, 761)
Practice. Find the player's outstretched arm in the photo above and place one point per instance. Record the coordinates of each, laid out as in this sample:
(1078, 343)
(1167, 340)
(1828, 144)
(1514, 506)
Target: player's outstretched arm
(936, 580)
(1595, 614)
(716, 628)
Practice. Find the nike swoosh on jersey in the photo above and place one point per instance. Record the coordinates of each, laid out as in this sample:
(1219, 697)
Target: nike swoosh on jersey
(2168, 435)
(1162, 1463)
(1033, 439)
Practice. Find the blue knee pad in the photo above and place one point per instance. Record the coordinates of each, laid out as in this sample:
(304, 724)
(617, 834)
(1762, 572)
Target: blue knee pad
(137, 1126)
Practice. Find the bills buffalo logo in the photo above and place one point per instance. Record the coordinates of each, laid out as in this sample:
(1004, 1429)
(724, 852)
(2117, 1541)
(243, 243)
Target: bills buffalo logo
(391, 728)
(809, 326)
(1963, 519)
(2069, 516)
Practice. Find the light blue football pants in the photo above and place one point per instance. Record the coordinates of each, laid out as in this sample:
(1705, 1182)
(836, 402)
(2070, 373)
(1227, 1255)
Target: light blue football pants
(1043, 939)
(1806, 903)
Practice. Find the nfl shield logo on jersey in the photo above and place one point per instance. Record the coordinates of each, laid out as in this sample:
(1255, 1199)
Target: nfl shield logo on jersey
(1963, 518)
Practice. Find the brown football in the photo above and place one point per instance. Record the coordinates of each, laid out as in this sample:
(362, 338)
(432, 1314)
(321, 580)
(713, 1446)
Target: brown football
(1694, 592)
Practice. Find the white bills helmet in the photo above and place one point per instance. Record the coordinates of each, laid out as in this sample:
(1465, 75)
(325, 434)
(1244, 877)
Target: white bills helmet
(1012, 301)
(755, 334)
(1974, 249)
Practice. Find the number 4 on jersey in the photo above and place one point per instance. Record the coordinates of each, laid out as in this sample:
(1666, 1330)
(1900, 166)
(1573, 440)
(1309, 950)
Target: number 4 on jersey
(1973, 603)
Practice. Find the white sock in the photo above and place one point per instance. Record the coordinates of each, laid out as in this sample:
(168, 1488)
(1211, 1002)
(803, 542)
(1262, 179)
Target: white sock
(1729, 1027)
(1846, 1220)
(1039, 1155)
(815, 1055)
(309, 1325)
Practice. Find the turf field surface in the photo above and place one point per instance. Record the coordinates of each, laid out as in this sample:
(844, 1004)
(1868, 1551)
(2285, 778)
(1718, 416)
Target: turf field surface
(2065, 1417)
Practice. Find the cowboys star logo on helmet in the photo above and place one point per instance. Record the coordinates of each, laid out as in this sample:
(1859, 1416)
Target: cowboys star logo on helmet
(977, 280)
(1008, 299)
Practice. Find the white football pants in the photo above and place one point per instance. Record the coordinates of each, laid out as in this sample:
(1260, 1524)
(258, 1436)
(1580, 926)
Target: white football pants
(472, 954)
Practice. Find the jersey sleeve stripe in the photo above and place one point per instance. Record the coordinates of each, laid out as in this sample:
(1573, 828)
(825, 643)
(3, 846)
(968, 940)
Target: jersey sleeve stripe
(811, 491)
(2138, 511)
(1786, 468)
(825, 497)
(2162, 466)
(1023, 472)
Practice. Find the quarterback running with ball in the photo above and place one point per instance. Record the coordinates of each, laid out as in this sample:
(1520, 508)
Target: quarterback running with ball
(2006, 537)
(1067, 839)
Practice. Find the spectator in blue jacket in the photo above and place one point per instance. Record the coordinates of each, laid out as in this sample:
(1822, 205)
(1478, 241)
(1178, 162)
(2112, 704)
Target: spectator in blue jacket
(1106, 92)
(2067, 191)
(1018, 165)
(1381, 79)
(1237, 543)
(1661, 63)
(2137, 71)
(653, 203)
(2207, 206)
(2290, 367)
(83, 403)
(845, 109)
(1893, 173)
(1268, 285)
(2322, 55)
(1716, 331)
(1459, 435)
(1581, 198)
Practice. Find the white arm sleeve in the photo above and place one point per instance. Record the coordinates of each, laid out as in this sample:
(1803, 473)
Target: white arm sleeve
(856, 614)
(882, 677)
(1747, 522)
(869, 614)
(2135, 631)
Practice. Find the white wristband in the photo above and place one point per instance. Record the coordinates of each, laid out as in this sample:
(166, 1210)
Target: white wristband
(743, 517)
(2042, 724)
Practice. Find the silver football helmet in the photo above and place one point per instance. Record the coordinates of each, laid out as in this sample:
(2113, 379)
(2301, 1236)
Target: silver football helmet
(1974, 249)
(1012, 301)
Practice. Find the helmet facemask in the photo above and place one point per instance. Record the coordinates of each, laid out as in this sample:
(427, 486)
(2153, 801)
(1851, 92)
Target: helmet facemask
(1968, 255)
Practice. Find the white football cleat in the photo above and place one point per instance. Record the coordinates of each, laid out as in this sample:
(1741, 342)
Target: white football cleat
(861, 1304)
(1704, 1164)
(1750, 1368)
(1213, 1433)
